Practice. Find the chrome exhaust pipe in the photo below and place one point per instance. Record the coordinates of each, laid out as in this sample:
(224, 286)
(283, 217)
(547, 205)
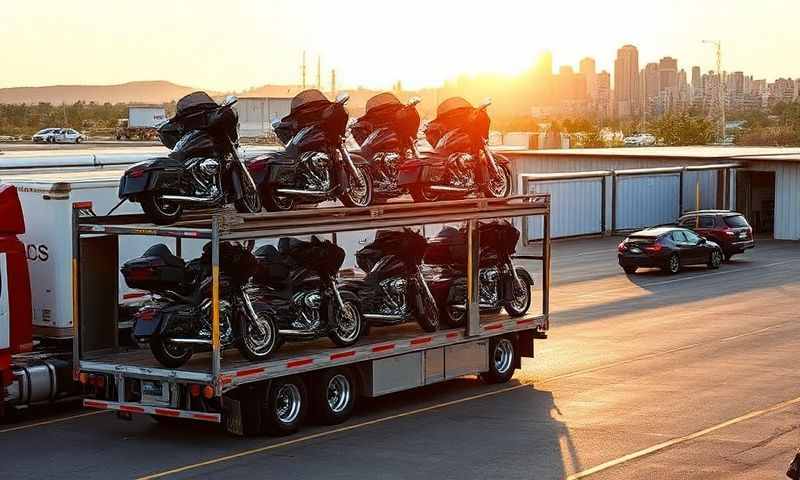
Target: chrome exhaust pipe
(198, 341)
(297, 333)
(379, 316)
(445, 188)
(188, 199)
(464, 307)
(310, 193)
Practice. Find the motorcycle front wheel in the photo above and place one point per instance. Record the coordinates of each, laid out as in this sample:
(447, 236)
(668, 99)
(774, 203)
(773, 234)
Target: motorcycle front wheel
(259, 337)
(250, 202)
(520, 299)
(359, 191)
(169, 354)
(160, 211)
(428, 318)
(348, 326)
(499, 185)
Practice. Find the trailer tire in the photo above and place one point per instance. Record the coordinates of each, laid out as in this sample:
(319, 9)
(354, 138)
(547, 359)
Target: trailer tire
(502, 360)
(286, 406)
(334, 393)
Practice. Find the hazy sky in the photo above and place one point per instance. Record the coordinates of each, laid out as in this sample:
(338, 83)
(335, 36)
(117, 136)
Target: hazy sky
(235, 44)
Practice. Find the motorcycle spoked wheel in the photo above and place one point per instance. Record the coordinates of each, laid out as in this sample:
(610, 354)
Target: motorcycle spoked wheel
(161, 212)
(453, 316)
(360, 191)
(274, 202)
(521, 301)
(171, 355)
(421, 193)
(349, 325)
(250, 202)
(499, 186)
(428, 319)
(259, 338)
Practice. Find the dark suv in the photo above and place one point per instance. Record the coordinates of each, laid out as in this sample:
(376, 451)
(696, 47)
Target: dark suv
(728, 229)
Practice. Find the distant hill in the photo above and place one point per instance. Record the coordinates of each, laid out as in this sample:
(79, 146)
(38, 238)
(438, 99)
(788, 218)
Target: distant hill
(157, 91)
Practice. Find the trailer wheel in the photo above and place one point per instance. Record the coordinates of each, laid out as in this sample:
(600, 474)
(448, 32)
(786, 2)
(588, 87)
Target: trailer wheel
(334, 395)
(502, 359)
(286, 406)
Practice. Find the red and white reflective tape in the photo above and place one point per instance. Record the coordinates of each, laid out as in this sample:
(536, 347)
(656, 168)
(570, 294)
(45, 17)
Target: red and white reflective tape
(383, 348)
(299, 363)
(148, 409)
(493, 326)
(341, 355)
(250, 371)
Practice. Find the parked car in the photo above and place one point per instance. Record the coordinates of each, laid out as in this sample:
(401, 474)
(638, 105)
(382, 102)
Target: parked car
(639, 140)
(667, 248)
(68, 135)
(44, 135)
(726, 228)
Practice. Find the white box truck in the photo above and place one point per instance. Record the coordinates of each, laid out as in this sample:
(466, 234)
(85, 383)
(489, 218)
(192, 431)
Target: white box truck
(141, 123)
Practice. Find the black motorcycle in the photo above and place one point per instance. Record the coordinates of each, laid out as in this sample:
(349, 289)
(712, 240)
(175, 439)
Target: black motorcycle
(387, 134)
(296, 283)
(502, 284)
(177, 321)
(461, 163)
(394, 290)
(202, 171)
(315, 165)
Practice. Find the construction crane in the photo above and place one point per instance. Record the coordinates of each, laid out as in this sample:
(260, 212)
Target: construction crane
(718, 46)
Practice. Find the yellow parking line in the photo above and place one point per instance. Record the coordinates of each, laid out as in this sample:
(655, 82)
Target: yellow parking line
(49, 422)
(678, 440)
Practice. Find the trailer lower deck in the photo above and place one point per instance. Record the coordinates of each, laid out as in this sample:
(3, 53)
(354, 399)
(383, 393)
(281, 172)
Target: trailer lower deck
(298, 357)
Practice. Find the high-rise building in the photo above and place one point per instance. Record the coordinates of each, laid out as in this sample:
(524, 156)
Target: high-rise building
(603, 95)
(650, 78)
(626, 82)
(697, 79)
(589, 72)
(668, 74)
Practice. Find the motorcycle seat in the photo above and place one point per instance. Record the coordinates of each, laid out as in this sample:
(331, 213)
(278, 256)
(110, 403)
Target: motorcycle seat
(162, 251)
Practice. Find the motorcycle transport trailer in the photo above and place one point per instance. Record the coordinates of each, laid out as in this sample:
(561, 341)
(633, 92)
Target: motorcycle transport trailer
(274, 395)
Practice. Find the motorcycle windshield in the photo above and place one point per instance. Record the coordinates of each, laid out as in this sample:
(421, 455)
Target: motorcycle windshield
(194, 102)
(406, 244)
(310, 107)
(381, 100)
(452, 103)
(305, 98)
(455, 113)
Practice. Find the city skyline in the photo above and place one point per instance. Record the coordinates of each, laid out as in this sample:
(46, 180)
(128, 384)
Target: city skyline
(250, 43)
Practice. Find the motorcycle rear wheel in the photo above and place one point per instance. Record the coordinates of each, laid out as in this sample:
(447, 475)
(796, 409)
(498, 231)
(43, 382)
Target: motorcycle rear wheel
(160, 211)
(171, 355)
(422, 194)
(275, 203)
(452, 316)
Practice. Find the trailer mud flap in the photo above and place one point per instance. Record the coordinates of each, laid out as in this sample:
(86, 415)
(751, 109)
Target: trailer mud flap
(232, 411)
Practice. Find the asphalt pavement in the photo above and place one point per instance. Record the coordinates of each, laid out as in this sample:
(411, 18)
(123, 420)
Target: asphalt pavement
(646, 376)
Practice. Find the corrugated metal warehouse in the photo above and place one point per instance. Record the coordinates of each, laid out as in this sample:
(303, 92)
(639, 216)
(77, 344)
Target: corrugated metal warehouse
(638, 187)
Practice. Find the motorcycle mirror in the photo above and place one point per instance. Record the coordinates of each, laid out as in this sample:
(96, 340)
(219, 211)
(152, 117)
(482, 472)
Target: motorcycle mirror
(351, 122)
(414, 101)
(229, 100)
(275, 123)
(486, 103)
(342, 98)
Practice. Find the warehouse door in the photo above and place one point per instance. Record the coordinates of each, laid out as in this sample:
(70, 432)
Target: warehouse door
(755, 199)
(576, 208)
(646, 200)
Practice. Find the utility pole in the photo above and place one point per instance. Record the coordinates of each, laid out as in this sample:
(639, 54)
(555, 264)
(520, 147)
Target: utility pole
(718, 46)
(333, 83)
(303, 71)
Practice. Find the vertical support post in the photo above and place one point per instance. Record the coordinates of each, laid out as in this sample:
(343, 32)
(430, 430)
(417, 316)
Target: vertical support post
(76, 294)
(603, 205)
(613, 202)
(178, 247)
(697, 203)
(546, 267)
(216, 347)
(473, 279)
(680, 192)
